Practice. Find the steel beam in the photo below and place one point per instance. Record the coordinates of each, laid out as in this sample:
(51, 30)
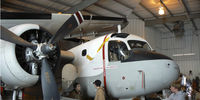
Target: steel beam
(185, 6)
(194, 24)
(100, 6)
(188, 13)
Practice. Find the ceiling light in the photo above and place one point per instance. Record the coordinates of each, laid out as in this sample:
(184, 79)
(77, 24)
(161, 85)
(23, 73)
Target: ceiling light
(161, 11)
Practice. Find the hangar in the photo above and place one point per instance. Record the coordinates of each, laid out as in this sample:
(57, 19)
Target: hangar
(169, 29)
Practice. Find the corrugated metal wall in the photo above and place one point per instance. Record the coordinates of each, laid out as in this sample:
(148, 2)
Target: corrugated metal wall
(153, 37)
(187, 48)
(135, 26)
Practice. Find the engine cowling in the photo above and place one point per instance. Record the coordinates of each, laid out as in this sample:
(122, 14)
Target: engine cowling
(20, 67)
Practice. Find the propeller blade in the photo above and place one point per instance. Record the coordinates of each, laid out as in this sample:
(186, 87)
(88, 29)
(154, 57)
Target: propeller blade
(13, 38)
(67, 27)
(49, 87)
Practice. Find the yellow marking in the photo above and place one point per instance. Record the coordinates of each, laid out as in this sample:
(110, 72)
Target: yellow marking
(132, 88)
(47, 77)
(59, 12)
(90, 58)
(103, 44)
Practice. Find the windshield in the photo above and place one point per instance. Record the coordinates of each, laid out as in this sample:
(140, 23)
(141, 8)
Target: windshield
(134, 44)
(117, 51)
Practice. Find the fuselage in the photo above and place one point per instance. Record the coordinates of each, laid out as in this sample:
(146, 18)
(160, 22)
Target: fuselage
(125, 64)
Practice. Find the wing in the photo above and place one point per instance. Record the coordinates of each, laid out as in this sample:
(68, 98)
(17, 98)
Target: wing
(98, 24)
(52, 22)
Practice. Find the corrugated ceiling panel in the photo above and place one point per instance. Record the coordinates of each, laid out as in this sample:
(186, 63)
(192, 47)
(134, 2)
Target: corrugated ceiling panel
(194, 5)
(58, 6)
(142, 12)
(132, 3)
(175, 7)
(102, 11)
(12, 9)
(28, 5)
(71, 2)
(116, 7)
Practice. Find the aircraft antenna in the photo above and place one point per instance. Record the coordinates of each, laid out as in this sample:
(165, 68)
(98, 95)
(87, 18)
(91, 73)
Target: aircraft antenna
(119, 28)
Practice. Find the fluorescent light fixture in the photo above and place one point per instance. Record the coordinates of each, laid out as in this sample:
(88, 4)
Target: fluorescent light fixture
(189, 54)
(175, 55)
(161, 11)
(185, 54)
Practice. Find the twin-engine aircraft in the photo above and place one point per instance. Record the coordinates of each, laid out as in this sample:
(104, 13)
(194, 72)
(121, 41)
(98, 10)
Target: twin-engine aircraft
(126, 64)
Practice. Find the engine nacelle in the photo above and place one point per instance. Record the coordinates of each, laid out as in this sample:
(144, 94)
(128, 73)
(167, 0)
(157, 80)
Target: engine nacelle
(12, 72)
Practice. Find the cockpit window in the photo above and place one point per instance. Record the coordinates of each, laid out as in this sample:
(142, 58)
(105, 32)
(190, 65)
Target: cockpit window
(117, 51)
(138, 45)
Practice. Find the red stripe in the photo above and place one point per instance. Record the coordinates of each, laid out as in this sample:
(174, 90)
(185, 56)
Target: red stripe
(142, 79)
(104, 66)
(1, 89)
(79, 17)
(23, 94)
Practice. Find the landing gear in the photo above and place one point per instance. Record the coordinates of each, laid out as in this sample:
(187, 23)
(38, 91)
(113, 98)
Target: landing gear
(17, 95)
(142, 97)
(127, 99)
(14, 95)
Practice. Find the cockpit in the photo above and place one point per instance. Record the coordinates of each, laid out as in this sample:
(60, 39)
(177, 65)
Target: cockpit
(118, 50)
(134, 44)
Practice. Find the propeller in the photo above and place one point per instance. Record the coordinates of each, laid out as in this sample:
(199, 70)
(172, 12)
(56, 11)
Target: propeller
(49, 86)
(13, 38)
(67, 27)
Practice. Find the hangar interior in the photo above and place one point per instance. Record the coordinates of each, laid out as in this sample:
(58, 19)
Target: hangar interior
(176, 33)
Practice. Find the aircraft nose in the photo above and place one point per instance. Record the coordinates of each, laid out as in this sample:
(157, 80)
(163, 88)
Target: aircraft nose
(140, 55)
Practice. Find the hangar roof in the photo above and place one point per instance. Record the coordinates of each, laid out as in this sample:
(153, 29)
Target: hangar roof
(147, 10)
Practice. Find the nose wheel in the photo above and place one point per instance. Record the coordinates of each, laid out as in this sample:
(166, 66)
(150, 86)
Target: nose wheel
(17, 95)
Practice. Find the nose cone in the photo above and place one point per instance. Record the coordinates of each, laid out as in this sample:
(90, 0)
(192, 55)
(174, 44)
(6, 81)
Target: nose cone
(143, 72)
(160, 66)
(170, 72)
